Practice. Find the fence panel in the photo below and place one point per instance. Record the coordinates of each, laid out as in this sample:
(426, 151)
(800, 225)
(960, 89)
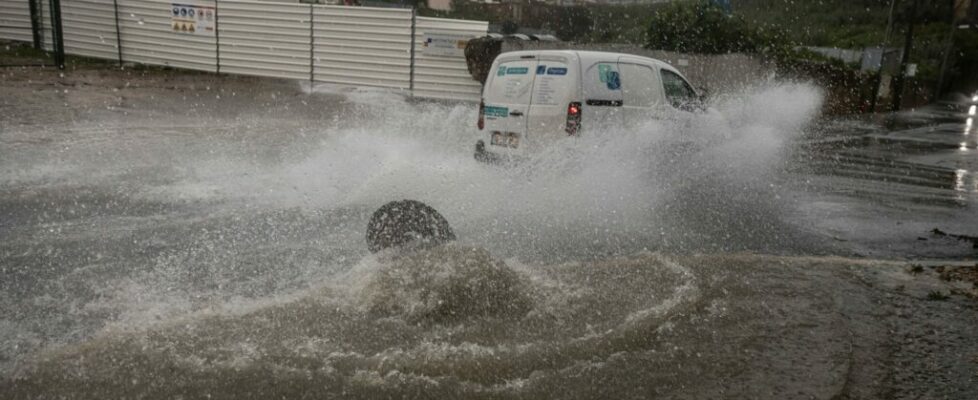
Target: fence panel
(47, 41)
(444, 76)
(15, 20)
(161, 32)
(362, 46)
(358, 46)
(89, 28)
(265, 39)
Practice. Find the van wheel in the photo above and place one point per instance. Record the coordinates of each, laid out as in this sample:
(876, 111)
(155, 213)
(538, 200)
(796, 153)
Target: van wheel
(400, 222)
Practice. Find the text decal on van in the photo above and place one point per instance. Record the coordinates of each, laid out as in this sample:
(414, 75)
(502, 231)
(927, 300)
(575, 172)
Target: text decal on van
(517, 70)
(541, 69)
(556, 71)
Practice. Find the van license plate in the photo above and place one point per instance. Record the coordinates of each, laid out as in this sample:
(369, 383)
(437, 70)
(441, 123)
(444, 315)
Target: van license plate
(505, 139)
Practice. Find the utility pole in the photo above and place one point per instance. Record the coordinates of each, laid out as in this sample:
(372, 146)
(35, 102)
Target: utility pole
(958, 12)
(57, 34)
(900, 82)
(37, 25)
(879, 71)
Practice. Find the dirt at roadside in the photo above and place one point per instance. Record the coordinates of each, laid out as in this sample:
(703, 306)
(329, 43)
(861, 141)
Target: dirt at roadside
(964, 279)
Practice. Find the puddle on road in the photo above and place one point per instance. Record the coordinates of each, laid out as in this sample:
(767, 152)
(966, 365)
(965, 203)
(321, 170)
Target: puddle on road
(554, 330)
(454, 322)
(451, 317)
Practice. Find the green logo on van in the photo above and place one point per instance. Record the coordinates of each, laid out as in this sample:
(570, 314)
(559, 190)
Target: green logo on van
(493, 111)
(603, 70)
(503, 71)
(609, 76)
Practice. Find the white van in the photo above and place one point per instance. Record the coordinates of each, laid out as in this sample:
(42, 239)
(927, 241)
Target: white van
(532, 98)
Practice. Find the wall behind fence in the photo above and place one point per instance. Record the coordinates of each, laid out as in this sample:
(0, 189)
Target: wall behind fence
(357, 46)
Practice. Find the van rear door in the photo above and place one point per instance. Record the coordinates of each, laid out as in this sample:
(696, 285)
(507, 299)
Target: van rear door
(555, 87)
(507, 100)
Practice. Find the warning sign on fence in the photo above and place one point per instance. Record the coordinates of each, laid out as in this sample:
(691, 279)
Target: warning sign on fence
(192, 20)
(444, 44)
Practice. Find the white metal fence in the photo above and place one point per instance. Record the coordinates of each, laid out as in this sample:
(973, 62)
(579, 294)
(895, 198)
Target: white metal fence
(445, 77)
(265, 39)
(15, 20)
(92, 34)
(369, 47)
(358, 46)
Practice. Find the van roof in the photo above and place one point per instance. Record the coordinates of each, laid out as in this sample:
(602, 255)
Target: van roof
(588, 56)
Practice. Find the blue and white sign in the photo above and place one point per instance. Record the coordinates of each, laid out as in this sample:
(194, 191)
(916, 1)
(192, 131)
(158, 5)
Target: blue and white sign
(556, 71)
(192, 19)
(444, 44)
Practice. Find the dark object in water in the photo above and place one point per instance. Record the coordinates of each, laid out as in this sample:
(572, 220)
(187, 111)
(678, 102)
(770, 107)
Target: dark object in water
(965, 238)
(446, 284)
(400, 222)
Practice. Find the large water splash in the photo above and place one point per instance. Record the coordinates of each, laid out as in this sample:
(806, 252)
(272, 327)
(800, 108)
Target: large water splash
(272, 228)
(607, 188)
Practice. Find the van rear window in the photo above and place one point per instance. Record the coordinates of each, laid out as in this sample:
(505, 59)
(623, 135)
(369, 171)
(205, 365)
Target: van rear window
(602, 81)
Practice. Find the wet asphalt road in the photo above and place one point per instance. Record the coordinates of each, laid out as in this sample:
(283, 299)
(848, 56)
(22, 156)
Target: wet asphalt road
(136, 201)
(885, 184)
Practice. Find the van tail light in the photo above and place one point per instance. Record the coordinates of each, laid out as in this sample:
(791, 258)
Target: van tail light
(573, 118)
(482, 115)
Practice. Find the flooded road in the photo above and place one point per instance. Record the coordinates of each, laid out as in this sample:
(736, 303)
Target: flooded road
(168, 234)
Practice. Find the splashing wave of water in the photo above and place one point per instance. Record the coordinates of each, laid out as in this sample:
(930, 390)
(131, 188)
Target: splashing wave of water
(618, 188)
(451, 316)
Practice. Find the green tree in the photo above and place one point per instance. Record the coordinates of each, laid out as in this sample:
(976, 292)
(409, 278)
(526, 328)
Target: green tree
(508, 27)
(572, 24)
(704, 27)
